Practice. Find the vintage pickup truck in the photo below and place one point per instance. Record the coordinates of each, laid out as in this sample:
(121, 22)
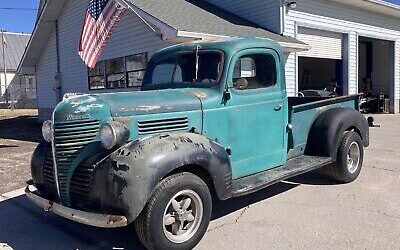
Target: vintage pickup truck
(212, 117)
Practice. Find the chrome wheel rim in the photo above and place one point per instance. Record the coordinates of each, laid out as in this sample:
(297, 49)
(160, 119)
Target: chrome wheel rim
(182, 216)
(353, 157)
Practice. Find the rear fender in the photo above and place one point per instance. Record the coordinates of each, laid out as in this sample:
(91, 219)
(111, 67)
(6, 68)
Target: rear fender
(328, 128)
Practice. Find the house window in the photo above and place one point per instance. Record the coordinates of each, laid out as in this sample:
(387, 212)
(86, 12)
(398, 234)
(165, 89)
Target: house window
(135, 68)
(97, 78)
(118, 73)
(115, 71)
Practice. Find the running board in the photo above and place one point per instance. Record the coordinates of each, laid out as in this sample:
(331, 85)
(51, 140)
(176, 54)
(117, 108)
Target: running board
(293, 167)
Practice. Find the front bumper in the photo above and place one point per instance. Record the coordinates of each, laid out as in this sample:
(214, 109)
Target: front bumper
(87, 218)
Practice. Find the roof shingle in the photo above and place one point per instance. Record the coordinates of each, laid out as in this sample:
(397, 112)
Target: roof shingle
(202, 17)
(14, 49)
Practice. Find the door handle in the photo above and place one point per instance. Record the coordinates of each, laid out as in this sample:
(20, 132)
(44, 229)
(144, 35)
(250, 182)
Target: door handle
(278, 107)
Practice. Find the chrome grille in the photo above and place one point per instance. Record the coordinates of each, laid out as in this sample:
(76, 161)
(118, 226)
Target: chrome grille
(163, 125)
(48, 175)
(69, 139)
(80, 184)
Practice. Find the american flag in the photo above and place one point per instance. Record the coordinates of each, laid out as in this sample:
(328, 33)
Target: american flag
(100, 20)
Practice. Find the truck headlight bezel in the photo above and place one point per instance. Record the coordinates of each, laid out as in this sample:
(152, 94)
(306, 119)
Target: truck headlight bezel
(47, 130)
(113, 134)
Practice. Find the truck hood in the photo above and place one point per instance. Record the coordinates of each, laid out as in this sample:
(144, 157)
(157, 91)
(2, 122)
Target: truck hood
(150, 102)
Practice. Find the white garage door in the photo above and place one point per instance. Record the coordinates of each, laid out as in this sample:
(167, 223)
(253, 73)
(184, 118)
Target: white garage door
(324, 44)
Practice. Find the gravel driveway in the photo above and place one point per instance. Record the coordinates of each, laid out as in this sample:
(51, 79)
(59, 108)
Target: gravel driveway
(19, 135)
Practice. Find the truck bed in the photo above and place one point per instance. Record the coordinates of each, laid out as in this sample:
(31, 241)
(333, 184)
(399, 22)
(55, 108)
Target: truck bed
(304, 110)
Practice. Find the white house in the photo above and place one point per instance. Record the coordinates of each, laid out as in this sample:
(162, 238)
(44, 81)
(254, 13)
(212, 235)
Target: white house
(13, 45)
(339, 40)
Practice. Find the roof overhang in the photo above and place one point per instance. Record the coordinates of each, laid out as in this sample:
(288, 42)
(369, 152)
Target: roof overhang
(377, 6)
(42, 31)
(173, 35)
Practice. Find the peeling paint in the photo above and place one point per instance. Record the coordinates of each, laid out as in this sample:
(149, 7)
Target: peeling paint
(200, 95)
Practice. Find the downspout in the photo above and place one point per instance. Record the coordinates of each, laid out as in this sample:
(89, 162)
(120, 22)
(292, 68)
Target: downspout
(2, 49)
(3, 43)
(36, 90)
(282, 16)
(57, 77)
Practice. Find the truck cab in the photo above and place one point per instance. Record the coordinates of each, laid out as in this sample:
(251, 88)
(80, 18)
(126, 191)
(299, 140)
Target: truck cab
(211, 116)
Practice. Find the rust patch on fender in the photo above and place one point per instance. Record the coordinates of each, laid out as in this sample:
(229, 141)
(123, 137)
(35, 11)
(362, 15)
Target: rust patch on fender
(111, 219)
(200, 95)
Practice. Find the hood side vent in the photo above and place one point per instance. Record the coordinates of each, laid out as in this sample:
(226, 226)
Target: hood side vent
(163, 125)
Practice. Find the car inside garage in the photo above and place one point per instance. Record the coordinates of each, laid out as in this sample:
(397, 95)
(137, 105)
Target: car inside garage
(320, 68)
(376, 74)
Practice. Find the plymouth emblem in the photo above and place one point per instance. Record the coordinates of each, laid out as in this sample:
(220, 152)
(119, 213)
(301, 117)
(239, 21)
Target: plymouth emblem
(77, 117)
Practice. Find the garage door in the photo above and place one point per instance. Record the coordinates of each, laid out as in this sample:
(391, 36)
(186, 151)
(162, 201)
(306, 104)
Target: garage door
(324, 44)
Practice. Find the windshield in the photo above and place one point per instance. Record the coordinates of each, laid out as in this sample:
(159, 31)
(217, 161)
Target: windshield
(185, 69)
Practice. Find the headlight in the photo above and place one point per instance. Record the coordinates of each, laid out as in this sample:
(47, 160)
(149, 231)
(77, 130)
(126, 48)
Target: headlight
(113, 134)
(47, 131)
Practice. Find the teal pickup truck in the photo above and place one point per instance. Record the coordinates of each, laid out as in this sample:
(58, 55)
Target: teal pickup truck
(211, 117)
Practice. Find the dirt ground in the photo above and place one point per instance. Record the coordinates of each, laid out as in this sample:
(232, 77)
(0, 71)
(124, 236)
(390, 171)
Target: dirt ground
(19, 134)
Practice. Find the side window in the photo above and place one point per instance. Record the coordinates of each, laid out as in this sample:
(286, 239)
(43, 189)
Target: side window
(254, 72)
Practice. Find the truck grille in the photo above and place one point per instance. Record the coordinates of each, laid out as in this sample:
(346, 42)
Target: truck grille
(69, 139)
(162, 125)
(80, 184)
(48, 175)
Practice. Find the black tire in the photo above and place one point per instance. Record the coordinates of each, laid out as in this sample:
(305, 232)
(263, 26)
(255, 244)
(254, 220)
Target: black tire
(149, 224)
(340, 170)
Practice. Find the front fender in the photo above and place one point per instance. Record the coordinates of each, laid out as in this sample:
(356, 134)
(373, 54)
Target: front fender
(136, 168)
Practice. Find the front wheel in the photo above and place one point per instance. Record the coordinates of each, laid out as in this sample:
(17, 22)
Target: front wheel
(349, 160)
(177, 214)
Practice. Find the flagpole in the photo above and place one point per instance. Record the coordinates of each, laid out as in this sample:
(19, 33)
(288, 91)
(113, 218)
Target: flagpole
(5, 67)
(2, 49)
(126, 5)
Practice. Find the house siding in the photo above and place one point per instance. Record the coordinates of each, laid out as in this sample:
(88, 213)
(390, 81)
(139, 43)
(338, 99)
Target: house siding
(265, 13)
(349, 21)
(132, 36)
(45, 72)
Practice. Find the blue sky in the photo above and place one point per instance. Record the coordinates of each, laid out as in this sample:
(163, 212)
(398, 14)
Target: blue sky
(22, 15)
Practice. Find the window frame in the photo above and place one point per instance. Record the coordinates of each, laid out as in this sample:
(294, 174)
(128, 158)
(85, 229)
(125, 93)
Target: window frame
(125, 72)
(221, 53)
(250, 53)
(102, 75)
(134, 71)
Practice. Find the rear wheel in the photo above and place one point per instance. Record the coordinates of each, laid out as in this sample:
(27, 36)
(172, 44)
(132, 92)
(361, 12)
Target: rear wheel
(349, 160)
(177, 214)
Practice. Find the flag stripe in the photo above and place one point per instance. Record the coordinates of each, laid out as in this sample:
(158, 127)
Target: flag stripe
(94, 40)
(105, 35)
(96, 29)
(99, 22)
(95, 44)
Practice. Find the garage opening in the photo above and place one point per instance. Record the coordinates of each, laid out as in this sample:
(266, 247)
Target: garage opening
(320, 74)
(320, 70)
(376, 74)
